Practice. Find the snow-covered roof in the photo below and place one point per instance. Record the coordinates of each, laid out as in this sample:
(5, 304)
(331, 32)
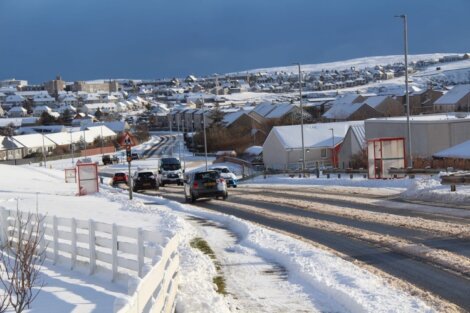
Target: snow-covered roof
(460, 151)
(360, 132)
(115, 126)
(17, 109)
(230, 118)
(16, 122)
(33, 140)
(264, 109)
(454, 95)
(342, 110)
(375, 101)
(14, 98)
(280, 110)
(445, 118)
(254, 150)
(318, 135)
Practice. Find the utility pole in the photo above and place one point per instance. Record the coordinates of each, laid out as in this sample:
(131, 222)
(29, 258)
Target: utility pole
(204, 125)
(301, 120)
(407, 96)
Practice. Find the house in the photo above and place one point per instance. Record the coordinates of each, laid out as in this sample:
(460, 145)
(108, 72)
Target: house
(456, 99)
(43, 100)
(429, 133)
(13, 100)
(385, 105)
(242, 123)
(282, 148)
(115, 126)
(351, 112)
(32, 143)
(39, 110)
(91, 108)
(354, 142)
(17, 111)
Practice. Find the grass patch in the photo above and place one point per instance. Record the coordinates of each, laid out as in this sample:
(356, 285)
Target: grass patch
(203, 246)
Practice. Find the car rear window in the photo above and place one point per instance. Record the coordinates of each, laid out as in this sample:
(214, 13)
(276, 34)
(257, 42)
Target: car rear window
(206, 175)
(145, 174)
(119, 174)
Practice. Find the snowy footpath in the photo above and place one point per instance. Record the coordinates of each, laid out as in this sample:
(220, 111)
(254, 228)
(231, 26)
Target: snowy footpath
(264, 271)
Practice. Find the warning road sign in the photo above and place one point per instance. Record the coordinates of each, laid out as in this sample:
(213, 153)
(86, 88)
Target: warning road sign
(127, 140)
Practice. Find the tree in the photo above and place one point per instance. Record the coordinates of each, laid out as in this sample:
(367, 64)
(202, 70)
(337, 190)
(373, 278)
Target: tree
(47, 119)
(21, 260)
(98, 114)
(8, 130)
(67, 117)
(217, 117)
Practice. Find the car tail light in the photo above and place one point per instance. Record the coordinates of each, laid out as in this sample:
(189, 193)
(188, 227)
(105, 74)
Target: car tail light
(195, 184)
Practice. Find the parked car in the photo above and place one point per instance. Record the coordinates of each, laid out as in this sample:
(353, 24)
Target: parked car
(229, 177)
(120, 178)
(134, 156)
(204, 184)
(144, 179)
(106, 159)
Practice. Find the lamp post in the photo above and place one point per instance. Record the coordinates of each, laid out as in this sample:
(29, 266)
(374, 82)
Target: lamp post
(205, 137)
(43, 149)
(301, 119)
(71, 144)
(407, 96)
(333, 146)
(101, 129)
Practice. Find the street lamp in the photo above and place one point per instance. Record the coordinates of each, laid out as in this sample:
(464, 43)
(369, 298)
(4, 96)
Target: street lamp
(407, 96)
(332, 145)
(301, 119)
(205, 137)
(71, 143)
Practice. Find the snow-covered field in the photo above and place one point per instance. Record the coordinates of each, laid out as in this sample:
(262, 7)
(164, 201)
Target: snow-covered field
(313, 280)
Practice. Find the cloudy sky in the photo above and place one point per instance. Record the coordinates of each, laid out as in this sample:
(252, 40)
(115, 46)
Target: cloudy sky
(90, 39)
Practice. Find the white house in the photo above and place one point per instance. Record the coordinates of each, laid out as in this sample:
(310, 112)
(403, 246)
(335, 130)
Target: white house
(458, 98)
(33, 143)
(91, 108)
(282, 148)
(39, 110)
(17, 111)
(13, 100)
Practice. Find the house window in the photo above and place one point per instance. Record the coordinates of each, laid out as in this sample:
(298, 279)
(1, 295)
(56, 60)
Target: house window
(323, 153)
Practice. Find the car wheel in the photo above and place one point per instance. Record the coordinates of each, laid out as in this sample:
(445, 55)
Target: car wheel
(193, 198)
(162, 184)
(135, 189)
(234, 186)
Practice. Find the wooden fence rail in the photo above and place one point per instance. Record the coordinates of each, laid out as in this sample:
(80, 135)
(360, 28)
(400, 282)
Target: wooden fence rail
(119, 250)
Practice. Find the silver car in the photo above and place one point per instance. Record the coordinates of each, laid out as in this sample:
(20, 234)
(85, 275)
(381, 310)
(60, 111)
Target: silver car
(204, 184)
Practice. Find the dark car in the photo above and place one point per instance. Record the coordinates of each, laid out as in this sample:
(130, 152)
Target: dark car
(144, 179)
(120, 178)
(207, 184)
(134, 156)
(106, 159)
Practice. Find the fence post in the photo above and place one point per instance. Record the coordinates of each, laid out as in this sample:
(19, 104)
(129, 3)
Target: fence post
(55, 238)
(140, 250)
(4, 226)
(114, 251)
(73, 231)
(91, 245)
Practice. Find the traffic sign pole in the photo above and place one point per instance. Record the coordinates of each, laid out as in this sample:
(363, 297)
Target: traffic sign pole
(129, 160)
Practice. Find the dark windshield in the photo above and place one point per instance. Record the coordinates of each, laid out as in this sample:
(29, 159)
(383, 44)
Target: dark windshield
(145, 174)
(171, 167)
(206, 175)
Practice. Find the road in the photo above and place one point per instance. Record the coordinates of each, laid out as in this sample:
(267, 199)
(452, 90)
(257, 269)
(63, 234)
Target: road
(424, 273)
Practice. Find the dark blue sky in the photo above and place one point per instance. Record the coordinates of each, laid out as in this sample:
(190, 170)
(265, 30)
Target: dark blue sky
(90, 39)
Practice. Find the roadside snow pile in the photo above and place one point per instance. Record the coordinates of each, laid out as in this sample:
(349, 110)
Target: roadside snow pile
(431, 190)
(345, 181)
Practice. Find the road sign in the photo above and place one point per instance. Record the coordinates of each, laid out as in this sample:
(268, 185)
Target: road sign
(127, 140)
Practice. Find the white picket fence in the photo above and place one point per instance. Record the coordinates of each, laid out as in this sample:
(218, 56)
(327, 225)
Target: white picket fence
(119, 250)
